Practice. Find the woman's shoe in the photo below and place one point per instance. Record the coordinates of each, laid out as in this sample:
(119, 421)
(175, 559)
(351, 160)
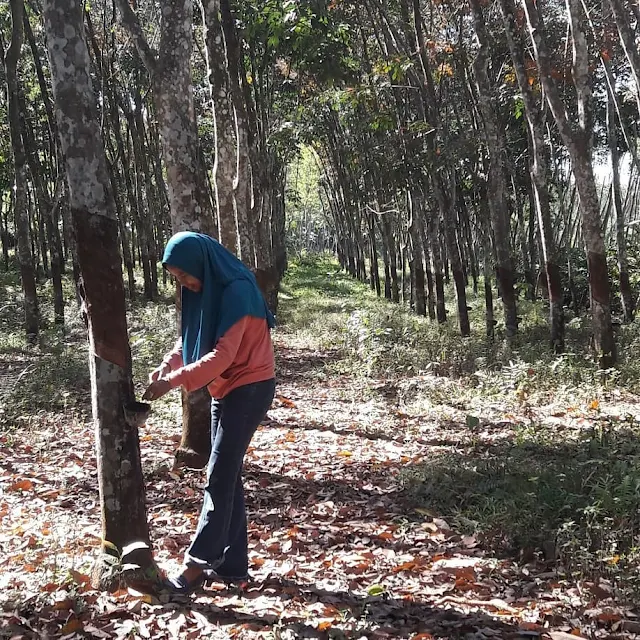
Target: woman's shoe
(211, 575)
(179, 585)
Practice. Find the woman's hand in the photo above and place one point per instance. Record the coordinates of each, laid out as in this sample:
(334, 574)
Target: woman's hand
(159, 373)
(157, 389)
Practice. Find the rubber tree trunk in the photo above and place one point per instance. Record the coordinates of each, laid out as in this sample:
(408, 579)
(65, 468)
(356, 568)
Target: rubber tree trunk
(453, 250)
(540, 178)
(120, 480)
(245, 137)
(21, 213)
(226, 156)
(496, 183)
(577, 138)
(416, 264)
(626, 296)
(434, 233)
(189, 200)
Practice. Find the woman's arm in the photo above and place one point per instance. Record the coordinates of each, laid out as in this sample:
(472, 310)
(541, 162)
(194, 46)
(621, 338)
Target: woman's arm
(213, 364)
(173, 359)
(171, 362)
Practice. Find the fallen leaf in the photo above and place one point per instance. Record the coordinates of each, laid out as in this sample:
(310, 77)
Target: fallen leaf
(376, 590)
(21, 485)
(73, 626)
(64, 605)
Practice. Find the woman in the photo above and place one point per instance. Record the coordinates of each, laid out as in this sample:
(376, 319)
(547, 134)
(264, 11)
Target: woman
(226, 346)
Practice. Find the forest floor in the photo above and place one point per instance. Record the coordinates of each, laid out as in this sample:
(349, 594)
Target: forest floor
(405, 484)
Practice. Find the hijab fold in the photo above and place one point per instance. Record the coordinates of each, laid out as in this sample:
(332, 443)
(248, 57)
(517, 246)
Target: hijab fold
(229, 292)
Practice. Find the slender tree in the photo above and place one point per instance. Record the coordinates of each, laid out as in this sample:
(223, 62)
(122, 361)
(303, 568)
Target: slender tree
(21, 213)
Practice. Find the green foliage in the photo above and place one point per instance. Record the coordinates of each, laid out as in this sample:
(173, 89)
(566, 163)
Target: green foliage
(307, 226)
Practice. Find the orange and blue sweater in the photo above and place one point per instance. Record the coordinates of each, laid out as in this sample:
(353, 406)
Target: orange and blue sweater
(243, 355)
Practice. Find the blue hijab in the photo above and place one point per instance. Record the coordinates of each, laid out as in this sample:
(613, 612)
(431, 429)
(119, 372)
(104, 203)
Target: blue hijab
(229, 292)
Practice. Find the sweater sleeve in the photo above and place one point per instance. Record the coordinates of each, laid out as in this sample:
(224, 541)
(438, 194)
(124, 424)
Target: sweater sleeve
(174, 357)
(213, 364)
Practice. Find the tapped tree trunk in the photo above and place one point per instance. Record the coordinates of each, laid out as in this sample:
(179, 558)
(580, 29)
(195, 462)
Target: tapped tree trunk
(21, 213)
(189, 200)
(116, 415)
(577, 138)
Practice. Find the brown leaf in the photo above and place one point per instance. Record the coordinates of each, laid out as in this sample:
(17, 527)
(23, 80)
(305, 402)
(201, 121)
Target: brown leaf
(74, 625)
(64, 605)
(80, 578)
(21, 485)
(608, 616)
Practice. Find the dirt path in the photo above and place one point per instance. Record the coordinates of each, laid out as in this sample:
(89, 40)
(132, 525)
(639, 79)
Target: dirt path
(338, 549)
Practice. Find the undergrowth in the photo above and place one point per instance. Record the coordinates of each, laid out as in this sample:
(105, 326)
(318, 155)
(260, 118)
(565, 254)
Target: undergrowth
(568, 496)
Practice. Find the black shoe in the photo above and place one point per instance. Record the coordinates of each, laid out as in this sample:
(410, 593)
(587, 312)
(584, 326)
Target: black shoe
(179, 585)
(211, 575)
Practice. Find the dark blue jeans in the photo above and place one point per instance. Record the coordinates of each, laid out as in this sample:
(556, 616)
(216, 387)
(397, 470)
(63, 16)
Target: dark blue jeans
(220, 541)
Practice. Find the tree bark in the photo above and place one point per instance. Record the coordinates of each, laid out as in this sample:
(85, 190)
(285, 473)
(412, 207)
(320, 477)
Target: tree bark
(21, 213)
(540, 178)
(453, 249)
(225, 165)
(245, 138)
(496, 184)
(628, 41)
(578, 143)
(189, 200)
(92, 206)
(417, 266)
(626, 295)
(434, 233)
(440, 188)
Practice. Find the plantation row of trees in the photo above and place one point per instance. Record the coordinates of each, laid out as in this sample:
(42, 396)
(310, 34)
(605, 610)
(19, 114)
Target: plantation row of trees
(495, 140)
(459, 140)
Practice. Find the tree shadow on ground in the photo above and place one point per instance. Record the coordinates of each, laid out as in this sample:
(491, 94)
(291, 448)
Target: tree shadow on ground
(576, 501)
(382, 616)
(296, 365)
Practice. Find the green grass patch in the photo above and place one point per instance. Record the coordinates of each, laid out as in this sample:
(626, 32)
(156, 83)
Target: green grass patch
(53, 375)
(575, 500)
(329, 309)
